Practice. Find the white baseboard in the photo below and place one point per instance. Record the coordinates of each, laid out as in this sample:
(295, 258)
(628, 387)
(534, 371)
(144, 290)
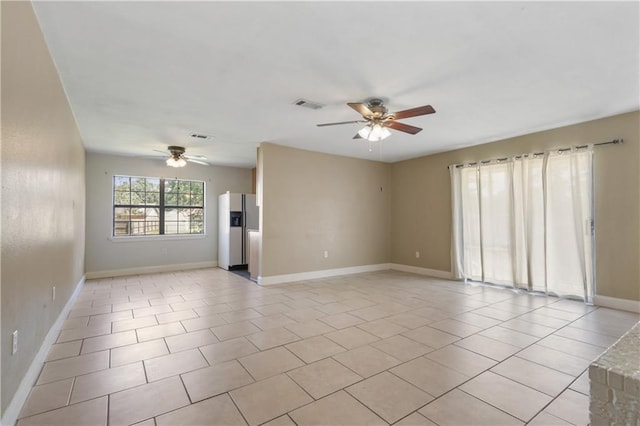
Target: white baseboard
(615, 303)
(324, 273)
(19, 398)
(150, 269)
(422, 271)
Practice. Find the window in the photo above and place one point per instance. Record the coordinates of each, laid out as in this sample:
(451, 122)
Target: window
(155, 206)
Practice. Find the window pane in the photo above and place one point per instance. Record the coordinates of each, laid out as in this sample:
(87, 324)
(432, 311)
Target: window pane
(152, 228)
(121, 228)
(137, 228)
(122, 198)
(185, 186)
(197, 200)
(170, 227)
(151, 214)
(171, 186)
(183, 214)
(197, 187)
(137, 214)
(197, 215)
(121, 213)
(184, 199)
(121, 183)
(170, 214)
(138, 184)
(197, 227)
(153, 185)
(137, 198)
(171, 199)
(153, 198)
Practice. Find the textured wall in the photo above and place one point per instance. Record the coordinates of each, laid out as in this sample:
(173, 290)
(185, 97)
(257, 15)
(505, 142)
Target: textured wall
(421, 199)
(43, 193)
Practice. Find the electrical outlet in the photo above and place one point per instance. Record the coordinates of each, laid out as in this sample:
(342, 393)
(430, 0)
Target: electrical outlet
(53, 293)
(14, 349)
(417, 255)
(326, 254)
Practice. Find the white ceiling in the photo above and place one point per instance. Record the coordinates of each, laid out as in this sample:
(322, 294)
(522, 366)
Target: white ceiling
(144, 75)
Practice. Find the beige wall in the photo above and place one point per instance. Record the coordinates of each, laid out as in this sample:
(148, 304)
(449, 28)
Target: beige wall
(43, 193)
(421, 215)
(314, 202)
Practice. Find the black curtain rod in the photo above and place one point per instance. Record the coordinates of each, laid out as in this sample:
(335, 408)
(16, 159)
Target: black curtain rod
(614, 141)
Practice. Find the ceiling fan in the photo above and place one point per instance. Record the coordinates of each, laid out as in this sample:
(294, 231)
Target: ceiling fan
(177, 157)
(378, 119)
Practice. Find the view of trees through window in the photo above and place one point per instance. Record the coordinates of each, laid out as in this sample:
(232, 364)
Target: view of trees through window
(155, 206)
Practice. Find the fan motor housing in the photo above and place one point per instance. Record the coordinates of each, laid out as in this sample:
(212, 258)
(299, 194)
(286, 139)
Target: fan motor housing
(176, 150)
(376, 106)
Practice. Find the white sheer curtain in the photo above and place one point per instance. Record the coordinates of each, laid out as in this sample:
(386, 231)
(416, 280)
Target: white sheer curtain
(526, 222)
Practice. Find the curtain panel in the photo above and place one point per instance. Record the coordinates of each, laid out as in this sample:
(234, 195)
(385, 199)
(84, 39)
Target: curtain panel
(526, 222)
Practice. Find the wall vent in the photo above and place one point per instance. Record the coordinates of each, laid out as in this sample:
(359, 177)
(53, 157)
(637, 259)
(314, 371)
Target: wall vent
(308, 104)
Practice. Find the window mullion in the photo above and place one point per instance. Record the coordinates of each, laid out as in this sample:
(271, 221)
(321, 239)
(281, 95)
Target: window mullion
(161, 214)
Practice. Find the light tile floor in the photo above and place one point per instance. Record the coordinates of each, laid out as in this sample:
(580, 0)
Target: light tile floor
(208, 347)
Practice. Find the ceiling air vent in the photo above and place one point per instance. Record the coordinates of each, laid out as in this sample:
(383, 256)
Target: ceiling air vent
(308, 104)
(201, 136)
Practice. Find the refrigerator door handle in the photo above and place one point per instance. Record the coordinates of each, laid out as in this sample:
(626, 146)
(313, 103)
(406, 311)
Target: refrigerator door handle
(244, 229)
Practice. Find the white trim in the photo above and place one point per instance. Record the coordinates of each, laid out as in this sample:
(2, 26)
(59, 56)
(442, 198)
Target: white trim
(28, 380)
(422, 271)
(172, 237)
(615, 303)
(324, 273)
(151, 269)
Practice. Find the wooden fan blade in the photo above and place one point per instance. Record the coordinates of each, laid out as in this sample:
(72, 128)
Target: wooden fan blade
(340, 122)
(403, 127)
(413, 112)
(361, 108)
(194, 157)
(191, 160)
(357, 136)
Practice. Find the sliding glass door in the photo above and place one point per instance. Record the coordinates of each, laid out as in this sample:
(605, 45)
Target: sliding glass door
(526, 222)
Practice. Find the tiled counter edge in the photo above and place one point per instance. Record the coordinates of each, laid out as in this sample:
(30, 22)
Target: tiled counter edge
(615, 382)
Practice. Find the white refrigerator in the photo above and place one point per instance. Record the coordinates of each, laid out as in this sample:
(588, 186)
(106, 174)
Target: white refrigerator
(237, 213)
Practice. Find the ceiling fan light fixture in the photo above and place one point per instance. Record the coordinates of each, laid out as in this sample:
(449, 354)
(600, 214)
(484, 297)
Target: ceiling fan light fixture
(379, 133)
(176, 162)
(374, 132)
(365, 132)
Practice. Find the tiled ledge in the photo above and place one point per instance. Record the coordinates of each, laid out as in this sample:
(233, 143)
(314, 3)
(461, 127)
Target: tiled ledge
(615, 382)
